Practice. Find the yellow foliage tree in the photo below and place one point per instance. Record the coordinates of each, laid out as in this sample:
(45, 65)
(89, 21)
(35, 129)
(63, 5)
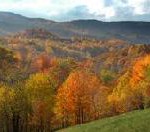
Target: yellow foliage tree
(40, 90)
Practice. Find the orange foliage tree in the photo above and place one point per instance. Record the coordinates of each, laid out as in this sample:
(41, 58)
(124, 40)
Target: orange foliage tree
(140, 79)
(139, 70)
(77, 98)
(42, 63)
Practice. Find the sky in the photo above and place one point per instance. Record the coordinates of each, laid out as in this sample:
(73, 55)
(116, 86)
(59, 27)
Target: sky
(66, 10)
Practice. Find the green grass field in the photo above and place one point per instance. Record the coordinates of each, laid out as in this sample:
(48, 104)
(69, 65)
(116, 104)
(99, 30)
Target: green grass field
(137, 121)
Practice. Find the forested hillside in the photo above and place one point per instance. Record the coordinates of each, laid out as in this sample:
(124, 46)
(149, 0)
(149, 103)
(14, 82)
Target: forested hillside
(48, 83)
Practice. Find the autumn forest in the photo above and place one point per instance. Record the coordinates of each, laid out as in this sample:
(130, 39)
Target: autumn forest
(48, 83)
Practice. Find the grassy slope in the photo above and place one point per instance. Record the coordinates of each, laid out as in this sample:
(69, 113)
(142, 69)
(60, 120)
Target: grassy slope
(137, 121)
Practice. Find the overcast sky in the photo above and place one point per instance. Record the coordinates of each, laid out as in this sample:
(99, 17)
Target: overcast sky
(64, 10)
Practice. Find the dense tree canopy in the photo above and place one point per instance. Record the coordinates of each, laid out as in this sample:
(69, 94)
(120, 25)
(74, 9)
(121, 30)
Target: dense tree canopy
(50, 83)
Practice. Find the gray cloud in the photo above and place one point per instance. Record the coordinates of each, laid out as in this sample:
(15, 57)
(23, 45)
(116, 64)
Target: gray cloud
(123, 14)
(124, 1)
(147, 7)
(79, 12)
(108, 2)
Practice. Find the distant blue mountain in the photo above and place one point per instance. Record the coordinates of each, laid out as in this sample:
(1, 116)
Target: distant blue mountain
(134, 32)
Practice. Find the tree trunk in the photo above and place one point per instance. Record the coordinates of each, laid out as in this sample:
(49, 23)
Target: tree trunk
(16, 118)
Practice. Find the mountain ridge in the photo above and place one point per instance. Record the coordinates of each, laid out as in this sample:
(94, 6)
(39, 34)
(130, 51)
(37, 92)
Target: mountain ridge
(131, 31)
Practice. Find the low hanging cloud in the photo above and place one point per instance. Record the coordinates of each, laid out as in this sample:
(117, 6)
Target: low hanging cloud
(64, 10)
